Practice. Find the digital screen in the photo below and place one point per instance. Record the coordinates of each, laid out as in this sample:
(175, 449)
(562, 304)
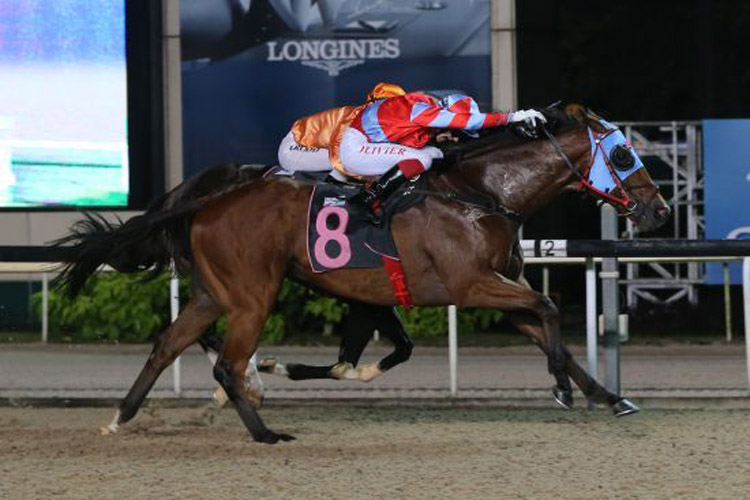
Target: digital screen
(63, 103)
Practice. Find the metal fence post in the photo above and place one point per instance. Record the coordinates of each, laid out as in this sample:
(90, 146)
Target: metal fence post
(45, 307)
(610, 304)
(453, 348)
(727, 302)
(591, 340)
(174, 306)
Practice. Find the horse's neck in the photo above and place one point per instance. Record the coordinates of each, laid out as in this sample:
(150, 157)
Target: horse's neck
(523, 178)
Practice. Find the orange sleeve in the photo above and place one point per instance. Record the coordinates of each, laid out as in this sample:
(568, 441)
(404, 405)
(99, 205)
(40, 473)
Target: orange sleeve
(316, 131)
(338, 136)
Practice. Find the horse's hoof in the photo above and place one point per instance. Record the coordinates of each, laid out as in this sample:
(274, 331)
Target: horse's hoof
(220, 397)
(256, 398)
(273, 366)
(624, 407)
(369, 372)
(267, 365)
(564, 398)
(343, 371)
(113, 426)
(108, 430)
(270, 437)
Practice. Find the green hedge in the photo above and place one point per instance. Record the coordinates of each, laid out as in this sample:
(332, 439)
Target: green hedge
(123, 308)
(111, 307)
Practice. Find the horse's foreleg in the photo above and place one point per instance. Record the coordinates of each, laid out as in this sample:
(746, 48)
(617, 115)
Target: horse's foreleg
(509, 296)
(620, 406)
(245, 327)
(532, 328)
(588, 385)
(200, 312)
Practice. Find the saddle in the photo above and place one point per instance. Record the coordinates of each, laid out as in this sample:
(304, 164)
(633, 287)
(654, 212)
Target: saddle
(340, 235)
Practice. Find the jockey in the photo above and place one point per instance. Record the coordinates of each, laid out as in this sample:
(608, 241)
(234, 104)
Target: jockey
(387, 136)
(312, 145)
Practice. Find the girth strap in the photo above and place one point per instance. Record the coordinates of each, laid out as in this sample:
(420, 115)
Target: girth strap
(397, 277)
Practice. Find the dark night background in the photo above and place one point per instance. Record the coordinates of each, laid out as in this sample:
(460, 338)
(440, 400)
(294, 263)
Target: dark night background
(631, 61)
(637, 60)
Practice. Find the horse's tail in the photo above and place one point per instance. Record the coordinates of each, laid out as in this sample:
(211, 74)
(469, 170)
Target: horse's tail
(148, 241)
(135, 245)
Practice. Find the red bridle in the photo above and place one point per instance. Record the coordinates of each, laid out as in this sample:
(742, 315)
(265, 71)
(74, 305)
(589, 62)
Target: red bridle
(617, 197)
(622, 202)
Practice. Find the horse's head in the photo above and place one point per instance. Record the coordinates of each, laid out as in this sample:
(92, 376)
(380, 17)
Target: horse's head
(614, 173)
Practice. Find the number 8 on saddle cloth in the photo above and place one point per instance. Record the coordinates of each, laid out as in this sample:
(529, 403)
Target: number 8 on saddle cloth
(339, 234)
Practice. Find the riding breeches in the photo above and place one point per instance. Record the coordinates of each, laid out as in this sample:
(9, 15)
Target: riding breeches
(294, 157)
(362, 157)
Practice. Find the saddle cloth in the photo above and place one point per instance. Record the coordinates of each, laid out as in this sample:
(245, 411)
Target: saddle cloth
(340, 236)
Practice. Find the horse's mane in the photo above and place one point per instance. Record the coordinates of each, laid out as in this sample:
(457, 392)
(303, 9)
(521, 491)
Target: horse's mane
(559, 119)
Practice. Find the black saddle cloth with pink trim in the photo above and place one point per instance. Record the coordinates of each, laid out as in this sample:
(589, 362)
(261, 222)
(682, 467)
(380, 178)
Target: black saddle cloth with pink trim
(339, 234)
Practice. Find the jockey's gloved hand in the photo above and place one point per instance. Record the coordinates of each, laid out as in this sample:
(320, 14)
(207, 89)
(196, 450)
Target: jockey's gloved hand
(527, 123)
(530, 117)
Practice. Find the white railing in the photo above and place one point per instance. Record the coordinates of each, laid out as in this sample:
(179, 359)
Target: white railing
(46, 269)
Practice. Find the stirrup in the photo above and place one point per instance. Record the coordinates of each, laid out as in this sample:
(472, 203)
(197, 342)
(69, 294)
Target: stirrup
(374, 219)
(364, 199)
(371, 216)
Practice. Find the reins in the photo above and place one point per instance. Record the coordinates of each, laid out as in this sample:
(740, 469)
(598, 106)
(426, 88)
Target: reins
(486, 203)
(562, 154)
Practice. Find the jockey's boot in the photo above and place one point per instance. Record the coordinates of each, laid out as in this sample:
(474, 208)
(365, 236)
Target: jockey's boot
(379, 191)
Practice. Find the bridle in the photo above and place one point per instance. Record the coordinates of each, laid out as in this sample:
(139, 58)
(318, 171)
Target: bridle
(621, 158)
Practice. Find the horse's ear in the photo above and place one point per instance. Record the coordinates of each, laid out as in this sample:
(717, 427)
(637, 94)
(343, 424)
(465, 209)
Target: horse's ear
(578, 112)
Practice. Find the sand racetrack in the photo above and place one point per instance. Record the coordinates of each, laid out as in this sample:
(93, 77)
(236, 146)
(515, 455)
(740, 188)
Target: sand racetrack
(382, 452)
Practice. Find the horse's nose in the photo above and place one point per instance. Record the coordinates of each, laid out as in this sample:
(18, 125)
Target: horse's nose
(662, 213)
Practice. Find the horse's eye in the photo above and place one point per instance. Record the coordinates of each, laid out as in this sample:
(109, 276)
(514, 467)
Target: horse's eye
(622, 158)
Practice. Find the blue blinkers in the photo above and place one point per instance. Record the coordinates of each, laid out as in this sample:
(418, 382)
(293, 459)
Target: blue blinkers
(611, 156)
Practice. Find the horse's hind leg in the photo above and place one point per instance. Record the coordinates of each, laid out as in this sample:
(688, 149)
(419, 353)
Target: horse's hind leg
(387, 322)
(199, 313)
(588, 385)
(245, 326)
(358, 327)
(254, 387)
(211, 344)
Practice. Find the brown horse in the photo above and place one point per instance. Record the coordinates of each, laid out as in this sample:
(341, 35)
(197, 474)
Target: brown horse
(240, 242)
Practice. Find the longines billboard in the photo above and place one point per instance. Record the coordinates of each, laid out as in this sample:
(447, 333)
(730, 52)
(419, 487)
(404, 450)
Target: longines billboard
(252, 67)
